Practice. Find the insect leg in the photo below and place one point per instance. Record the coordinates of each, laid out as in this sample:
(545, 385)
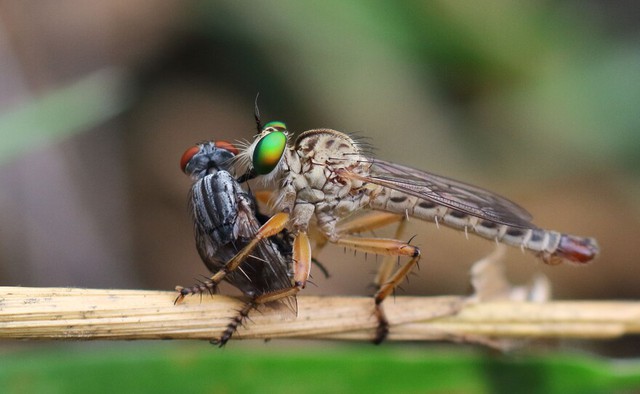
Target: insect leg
(272, 227)
(367, 222)
(382, 246)
(263, 196)
(301, 270)
(390, 247)
(384, 273)
(386, 268)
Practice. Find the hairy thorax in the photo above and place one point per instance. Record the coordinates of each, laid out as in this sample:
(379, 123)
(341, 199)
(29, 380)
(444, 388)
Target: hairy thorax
(315, 163)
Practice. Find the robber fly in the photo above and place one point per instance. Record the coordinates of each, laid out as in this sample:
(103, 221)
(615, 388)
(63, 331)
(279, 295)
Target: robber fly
(226, 220)
(323, 177)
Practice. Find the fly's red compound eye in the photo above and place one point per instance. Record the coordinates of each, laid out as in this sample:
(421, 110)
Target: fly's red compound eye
(227, 146)
(187, 156)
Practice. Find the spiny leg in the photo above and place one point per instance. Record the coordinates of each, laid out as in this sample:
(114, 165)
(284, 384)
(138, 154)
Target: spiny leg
(390, 247)
(385, 270)
(369, 222)
(204, 286)
(272, 227)
(265, 197)
(388, 288)
(301, 270)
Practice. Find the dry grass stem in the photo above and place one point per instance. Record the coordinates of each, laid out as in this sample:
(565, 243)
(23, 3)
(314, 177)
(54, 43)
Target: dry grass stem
(67, 313)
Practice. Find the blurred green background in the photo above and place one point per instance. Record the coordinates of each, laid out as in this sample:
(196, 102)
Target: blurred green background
(535, 100)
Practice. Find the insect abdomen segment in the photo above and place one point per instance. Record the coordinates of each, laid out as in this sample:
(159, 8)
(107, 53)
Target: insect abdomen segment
(551, 246)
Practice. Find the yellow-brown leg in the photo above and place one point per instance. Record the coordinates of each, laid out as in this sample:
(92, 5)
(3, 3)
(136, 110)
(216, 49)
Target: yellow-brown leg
(382, 246)
(364, 222)
(263, 196)
(390, 247)
(388, 263)
(385, 270)
(272, 227)
(367, 222)
(301, 269)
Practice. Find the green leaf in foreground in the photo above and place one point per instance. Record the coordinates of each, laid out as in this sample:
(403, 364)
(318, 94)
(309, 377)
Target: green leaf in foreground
(367, 369)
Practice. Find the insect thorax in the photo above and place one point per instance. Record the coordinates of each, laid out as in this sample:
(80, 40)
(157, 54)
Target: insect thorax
(315, 163)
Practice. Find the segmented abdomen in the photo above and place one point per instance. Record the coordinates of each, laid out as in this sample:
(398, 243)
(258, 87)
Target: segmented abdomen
(551, 246)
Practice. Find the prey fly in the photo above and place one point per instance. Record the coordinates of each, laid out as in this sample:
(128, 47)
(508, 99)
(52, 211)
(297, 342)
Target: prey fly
(226, 220)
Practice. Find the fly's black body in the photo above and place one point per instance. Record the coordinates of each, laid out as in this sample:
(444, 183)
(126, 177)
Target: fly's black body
(226, 220)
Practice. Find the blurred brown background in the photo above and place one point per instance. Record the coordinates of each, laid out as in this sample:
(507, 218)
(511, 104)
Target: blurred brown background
(537, 101)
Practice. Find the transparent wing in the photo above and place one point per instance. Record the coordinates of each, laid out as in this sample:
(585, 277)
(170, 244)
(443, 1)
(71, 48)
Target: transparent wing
(448, 192)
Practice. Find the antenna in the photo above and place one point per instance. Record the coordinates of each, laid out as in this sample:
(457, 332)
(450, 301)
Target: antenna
(256, 114)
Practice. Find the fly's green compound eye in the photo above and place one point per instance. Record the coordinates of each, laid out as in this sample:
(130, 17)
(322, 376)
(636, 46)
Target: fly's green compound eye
(275, 126)
(268, 151)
